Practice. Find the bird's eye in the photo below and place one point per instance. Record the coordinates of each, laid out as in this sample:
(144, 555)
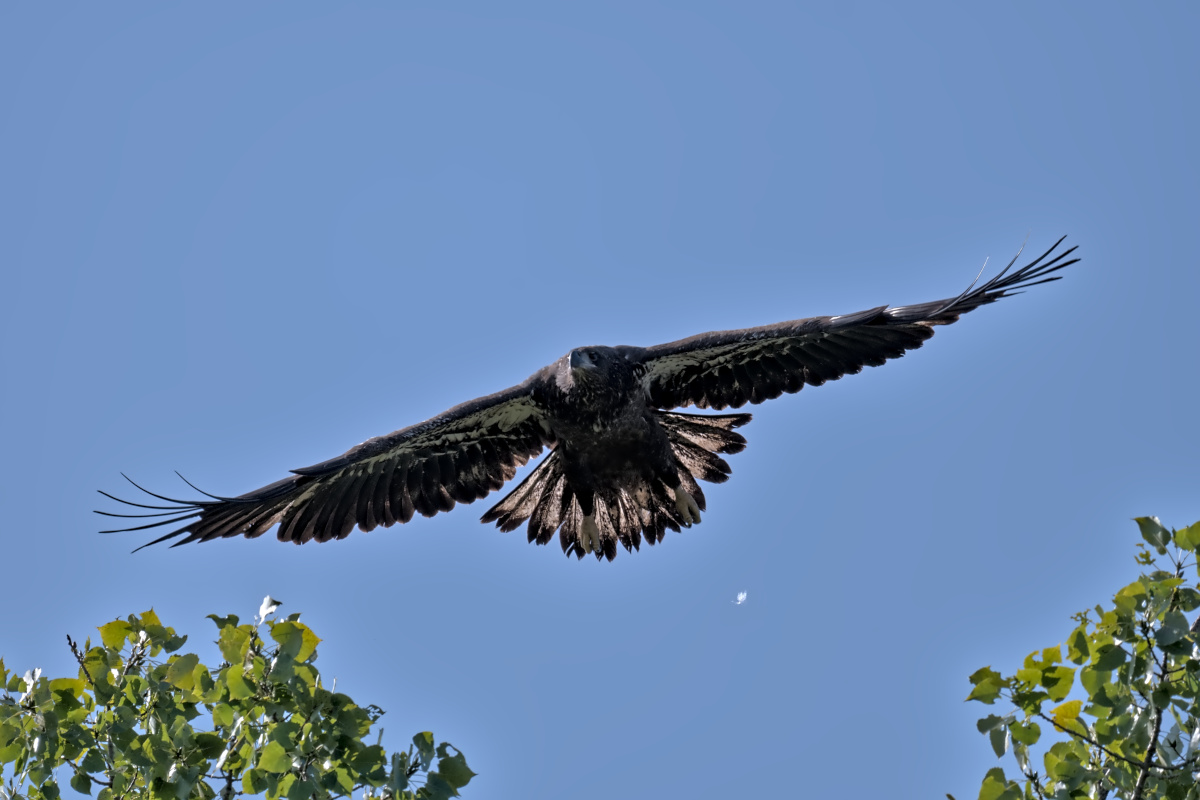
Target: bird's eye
(591, 354)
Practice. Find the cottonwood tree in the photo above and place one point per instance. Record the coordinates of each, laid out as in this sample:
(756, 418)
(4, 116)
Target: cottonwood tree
(1113, 712)
(142, 720)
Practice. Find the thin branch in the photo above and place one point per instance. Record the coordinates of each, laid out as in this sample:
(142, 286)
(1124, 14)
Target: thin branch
(1032, 777)
(79, 657)
(1094, 743)
(93, 779)
(1149, 762)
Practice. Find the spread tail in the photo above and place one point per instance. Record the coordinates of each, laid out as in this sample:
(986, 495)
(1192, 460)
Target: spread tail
(624, 514)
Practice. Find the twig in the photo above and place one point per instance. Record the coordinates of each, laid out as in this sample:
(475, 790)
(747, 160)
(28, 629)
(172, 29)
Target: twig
(79, 771)
(1094, 743)
(1149, 762)
(79, 657)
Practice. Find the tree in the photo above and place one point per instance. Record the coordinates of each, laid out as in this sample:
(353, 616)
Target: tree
(1123, 721)
(137, 726)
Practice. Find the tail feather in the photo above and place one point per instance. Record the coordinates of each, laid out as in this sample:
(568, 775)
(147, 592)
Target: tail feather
(626, 515)
(712, 432)
(519, 504)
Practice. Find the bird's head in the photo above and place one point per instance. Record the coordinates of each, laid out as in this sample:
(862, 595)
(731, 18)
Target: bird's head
(588, 366)
(587, 359)
(594, 367)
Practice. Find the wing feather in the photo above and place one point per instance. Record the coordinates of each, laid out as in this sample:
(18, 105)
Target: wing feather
(731, 368)
(455, 457)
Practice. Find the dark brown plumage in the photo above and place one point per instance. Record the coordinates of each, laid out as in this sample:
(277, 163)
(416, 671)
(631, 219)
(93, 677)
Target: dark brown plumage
(622, 468)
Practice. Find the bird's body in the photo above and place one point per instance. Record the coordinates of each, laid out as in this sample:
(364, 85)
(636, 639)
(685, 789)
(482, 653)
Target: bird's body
(623, 466)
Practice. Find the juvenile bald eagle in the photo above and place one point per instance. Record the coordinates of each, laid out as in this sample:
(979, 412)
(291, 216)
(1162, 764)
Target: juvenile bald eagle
(622, 465)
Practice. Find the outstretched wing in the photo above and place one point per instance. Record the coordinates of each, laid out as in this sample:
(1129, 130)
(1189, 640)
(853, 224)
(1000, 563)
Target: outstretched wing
(459, 456)
(732, 368)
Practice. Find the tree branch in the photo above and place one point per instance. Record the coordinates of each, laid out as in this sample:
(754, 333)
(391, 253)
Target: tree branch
(79, 657)
(1093, 742)
(1149, 762)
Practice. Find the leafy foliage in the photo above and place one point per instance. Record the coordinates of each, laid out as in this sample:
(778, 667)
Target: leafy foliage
(142, 720)
(1132, 728)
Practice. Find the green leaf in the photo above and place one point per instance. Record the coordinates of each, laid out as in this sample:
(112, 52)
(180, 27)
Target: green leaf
(234, 643)
(999, 737)
(210, 745)
(987, 683)
(1188, 538)
(239, 689)
(1030, 676)
(988, 723)
(1094, 679)
(295, 639)
(1131, 597)
(1189, 599)
(254, 781)
(1067, 713)
(1108, 657)
(222, 715)
(1078, 650)
(92, 762)
(300, 790)
(1021, 756)
(424, 743)
(74, 687)
(453, 767)
(223, 622)
(180, 669)
(1057, 681)
(1026, 733)
(1174, 628)
(996, 787)
(437, 788)
(1154, 533)
(274, 758)
(81, 783)
(113, 634)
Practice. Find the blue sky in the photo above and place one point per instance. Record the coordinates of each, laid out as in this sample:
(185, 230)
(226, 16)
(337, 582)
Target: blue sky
(239, 240)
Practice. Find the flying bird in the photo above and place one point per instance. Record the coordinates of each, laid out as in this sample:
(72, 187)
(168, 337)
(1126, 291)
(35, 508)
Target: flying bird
(623, 464)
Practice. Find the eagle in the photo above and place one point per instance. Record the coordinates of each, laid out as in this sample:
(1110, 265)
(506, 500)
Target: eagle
(623, 463)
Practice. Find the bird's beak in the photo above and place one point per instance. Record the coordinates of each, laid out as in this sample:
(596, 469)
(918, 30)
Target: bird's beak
(579, 360)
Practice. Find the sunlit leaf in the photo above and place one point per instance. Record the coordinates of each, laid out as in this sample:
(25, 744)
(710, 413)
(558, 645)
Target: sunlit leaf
(996, 787)
(1078, 650)
(988, 684)
(295, 638)
(179, 671)
(113, 634)
(274, 758)
(1026, 733)
(1067, 712)
(1188, 538)
(239, 688)
(234, 643)
(1058, 681)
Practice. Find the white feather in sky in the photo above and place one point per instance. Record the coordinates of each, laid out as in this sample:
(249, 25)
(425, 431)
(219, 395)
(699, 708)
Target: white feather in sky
(741, 598)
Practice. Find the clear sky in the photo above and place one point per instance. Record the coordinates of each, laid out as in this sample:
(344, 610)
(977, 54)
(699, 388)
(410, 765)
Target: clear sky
(240, 239)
